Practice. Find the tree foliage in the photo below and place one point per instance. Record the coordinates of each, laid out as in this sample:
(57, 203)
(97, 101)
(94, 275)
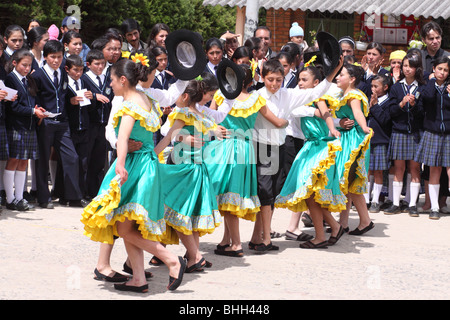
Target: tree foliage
(99, 15)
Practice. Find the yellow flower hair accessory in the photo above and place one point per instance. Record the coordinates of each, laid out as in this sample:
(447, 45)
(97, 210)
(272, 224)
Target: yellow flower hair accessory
(356, 64)
(199, 78)
(140, 58)
(310, 62)
(253, 66)
(126, 54)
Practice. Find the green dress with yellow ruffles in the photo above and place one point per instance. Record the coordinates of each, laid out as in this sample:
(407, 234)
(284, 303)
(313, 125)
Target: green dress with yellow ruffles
(233, 164)
(313, 172)
(189, 198)
(140, 197)
(353, 161)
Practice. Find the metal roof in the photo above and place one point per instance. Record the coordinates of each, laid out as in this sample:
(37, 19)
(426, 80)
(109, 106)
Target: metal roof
(425, 8)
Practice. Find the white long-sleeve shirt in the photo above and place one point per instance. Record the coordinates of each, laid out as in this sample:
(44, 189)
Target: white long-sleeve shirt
(282, 103)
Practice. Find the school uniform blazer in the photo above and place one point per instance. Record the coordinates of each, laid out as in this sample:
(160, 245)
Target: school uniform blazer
(50, 98)
(379, 120)
(366, 84)
(19, 113)
(78, 116)
(436, 105)
(408, 119)
(99, 112)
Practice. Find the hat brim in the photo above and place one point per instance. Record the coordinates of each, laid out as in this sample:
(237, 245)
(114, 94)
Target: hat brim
(186, 56)
(330, 50)
(230, 77)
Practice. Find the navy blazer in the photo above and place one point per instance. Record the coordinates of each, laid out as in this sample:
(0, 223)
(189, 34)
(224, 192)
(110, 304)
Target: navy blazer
(99, 112)
(78, 116)
(19, 113)
(436, 105)
(365, 85)
(379, 120)
(50, 98)
(408, 119)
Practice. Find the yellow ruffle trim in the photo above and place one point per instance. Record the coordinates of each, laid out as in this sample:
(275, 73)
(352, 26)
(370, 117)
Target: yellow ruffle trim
(353, 94)
(319, 180)
(99, 225)
(332, 102)
(359, 185)
(201, 125)
(147, 121)
(242, 109)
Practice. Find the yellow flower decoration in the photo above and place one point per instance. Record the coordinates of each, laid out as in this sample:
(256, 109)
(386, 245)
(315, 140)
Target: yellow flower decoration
(140, 58)
(357, 64)
(253, 66)
(126, 54)
(310, 62)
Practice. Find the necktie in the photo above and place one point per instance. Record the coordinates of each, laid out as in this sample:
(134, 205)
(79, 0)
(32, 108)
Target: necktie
(76, 85)
(55, 79)
(99, 82)
(24, 81)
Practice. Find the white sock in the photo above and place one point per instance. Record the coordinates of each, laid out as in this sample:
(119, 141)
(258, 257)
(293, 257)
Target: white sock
(390, 188)
(8, 179)
(397, 187)
(433, 191)
(53, 167)
(415, 189)
(366, 195)
(376, 192)
(2, 171)
(408, 189)
(19, 182)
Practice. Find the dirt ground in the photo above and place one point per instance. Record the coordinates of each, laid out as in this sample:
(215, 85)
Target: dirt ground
(45, 256)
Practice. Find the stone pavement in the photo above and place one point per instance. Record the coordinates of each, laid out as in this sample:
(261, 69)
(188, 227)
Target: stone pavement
(45, 256)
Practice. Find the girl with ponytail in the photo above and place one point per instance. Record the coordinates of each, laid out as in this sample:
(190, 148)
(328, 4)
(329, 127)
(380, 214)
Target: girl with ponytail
(129, 203)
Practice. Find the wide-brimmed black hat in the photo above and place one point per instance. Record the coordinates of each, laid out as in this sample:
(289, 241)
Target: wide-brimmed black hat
(330, 51)
(230, 77)
(186, 56)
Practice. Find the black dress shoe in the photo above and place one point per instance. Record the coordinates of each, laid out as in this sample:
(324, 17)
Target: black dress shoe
(23, 205)
(46, 205)
(78, 203)
(413, 211)
(393, 210)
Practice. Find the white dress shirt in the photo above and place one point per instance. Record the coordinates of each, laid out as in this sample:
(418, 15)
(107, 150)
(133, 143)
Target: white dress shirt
(282, 103)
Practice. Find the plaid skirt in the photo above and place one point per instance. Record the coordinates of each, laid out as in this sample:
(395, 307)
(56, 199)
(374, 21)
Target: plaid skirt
(403, 146)
(4, 148)
(23, 144)
(379, 157)
(434, 150)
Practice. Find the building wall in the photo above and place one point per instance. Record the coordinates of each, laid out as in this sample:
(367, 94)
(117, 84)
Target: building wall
(280, 21)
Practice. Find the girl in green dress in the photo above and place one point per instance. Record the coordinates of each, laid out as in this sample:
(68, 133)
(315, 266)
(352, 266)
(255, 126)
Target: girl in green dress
(129, 203)
(233, 166)
(312, 182)
(353, 161)
(189, 198)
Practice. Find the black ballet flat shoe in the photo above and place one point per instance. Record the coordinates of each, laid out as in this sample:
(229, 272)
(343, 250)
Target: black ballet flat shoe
(155, 261)
(129, 270)
(333, 240)
(358, 232)
(261, 248)
(117, 277)
(174, 283)
(125, 287)
(311, 245)
(196, 267)
(230, 253)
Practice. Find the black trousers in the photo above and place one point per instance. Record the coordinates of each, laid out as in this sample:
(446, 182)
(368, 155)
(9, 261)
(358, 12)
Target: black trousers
(57, 134)
(97, 150)
(269, 169)
(80, 141)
